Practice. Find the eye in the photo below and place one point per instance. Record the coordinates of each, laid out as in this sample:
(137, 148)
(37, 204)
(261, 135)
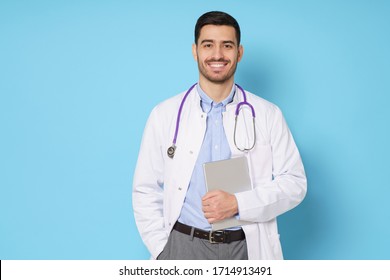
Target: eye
(207, 46)
(228, 46)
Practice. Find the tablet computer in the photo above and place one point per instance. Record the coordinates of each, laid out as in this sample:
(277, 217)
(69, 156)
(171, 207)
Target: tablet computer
(232, 176)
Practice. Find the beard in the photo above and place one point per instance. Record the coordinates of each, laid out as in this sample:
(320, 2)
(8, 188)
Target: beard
(216, 78)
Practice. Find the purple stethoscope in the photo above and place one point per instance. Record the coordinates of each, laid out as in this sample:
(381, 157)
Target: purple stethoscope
(171, 150)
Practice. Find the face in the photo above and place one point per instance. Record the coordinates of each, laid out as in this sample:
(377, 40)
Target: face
(217, 53)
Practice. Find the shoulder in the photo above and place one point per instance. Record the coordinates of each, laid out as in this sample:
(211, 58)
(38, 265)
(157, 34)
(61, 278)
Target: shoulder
(169, 106)
(269, 117)
(262, 105)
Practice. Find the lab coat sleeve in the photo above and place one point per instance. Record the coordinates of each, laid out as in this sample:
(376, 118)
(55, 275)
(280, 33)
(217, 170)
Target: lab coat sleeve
(148, 188)
(287, 186)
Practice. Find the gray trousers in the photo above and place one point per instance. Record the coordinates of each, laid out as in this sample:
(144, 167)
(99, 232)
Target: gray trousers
(181, 246)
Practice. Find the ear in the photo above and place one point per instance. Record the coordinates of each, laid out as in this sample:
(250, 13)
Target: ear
(240, 53)
(194, 53)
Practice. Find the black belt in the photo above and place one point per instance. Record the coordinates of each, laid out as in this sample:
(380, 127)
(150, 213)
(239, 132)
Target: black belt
(218, 236)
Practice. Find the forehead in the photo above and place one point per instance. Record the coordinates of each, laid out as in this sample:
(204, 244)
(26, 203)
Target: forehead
(217, 33)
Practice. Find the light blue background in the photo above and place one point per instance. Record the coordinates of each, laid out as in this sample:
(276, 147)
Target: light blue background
(79, 78)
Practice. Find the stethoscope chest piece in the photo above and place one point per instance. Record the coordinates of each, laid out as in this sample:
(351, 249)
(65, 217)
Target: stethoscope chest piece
(171, 151)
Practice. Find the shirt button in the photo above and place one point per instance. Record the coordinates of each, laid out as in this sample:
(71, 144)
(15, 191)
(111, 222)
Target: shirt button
(216, 147)
(191, 152)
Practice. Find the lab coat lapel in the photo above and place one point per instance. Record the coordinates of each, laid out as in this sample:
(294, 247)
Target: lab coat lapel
(189, 142)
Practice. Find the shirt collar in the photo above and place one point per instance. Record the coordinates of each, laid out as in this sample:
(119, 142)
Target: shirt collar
(207, 103)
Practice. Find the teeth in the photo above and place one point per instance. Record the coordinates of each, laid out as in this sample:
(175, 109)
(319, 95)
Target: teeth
(216, 65)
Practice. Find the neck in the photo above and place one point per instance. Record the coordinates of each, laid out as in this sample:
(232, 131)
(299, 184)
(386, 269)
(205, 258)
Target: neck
(217, 92)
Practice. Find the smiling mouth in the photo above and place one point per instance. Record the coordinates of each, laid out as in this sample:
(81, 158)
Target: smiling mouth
(217, 65)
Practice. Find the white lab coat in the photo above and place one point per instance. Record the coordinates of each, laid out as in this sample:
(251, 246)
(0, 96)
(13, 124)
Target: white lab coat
(160, 183)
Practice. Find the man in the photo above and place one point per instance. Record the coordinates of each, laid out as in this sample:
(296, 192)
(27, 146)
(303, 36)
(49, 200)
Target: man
(172, 208)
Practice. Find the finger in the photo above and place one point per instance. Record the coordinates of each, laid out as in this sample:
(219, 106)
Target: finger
(208, 209)
(211, 194)
(209, 202)
(210, 217)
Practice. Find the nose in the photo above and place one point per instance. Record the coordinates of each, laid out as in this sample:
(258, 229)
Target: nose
(218, 53)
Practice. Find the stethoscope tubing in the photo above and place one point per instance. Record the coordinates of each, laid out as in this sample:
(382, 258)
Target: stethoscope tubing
(179, 113)
(245, 102)
(171, 150)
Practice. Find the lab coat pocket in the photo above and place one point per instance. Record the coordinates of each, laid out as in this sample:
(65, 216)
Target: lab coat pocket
(164, 255)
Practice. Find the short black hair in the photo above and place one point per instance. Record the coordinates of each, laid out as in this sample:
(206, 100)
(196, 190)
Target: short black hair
(217, 18)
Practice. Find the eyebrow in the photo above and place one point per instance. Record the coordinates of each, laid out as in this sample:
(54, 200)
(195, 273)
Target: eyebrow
(212, 41)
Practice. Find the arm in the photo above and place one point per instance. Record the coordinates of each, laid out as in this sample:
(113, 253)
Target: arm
(148, 189)
(288, 186)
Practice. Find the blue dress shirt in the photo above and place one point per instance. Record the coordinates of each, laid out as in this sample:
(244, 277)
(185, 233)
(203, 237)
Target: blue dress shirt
(215, 147)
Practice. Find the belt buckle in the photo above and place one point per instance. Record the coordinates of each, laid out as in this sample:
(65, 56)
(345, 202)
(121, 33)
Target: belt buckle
(217, 233)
